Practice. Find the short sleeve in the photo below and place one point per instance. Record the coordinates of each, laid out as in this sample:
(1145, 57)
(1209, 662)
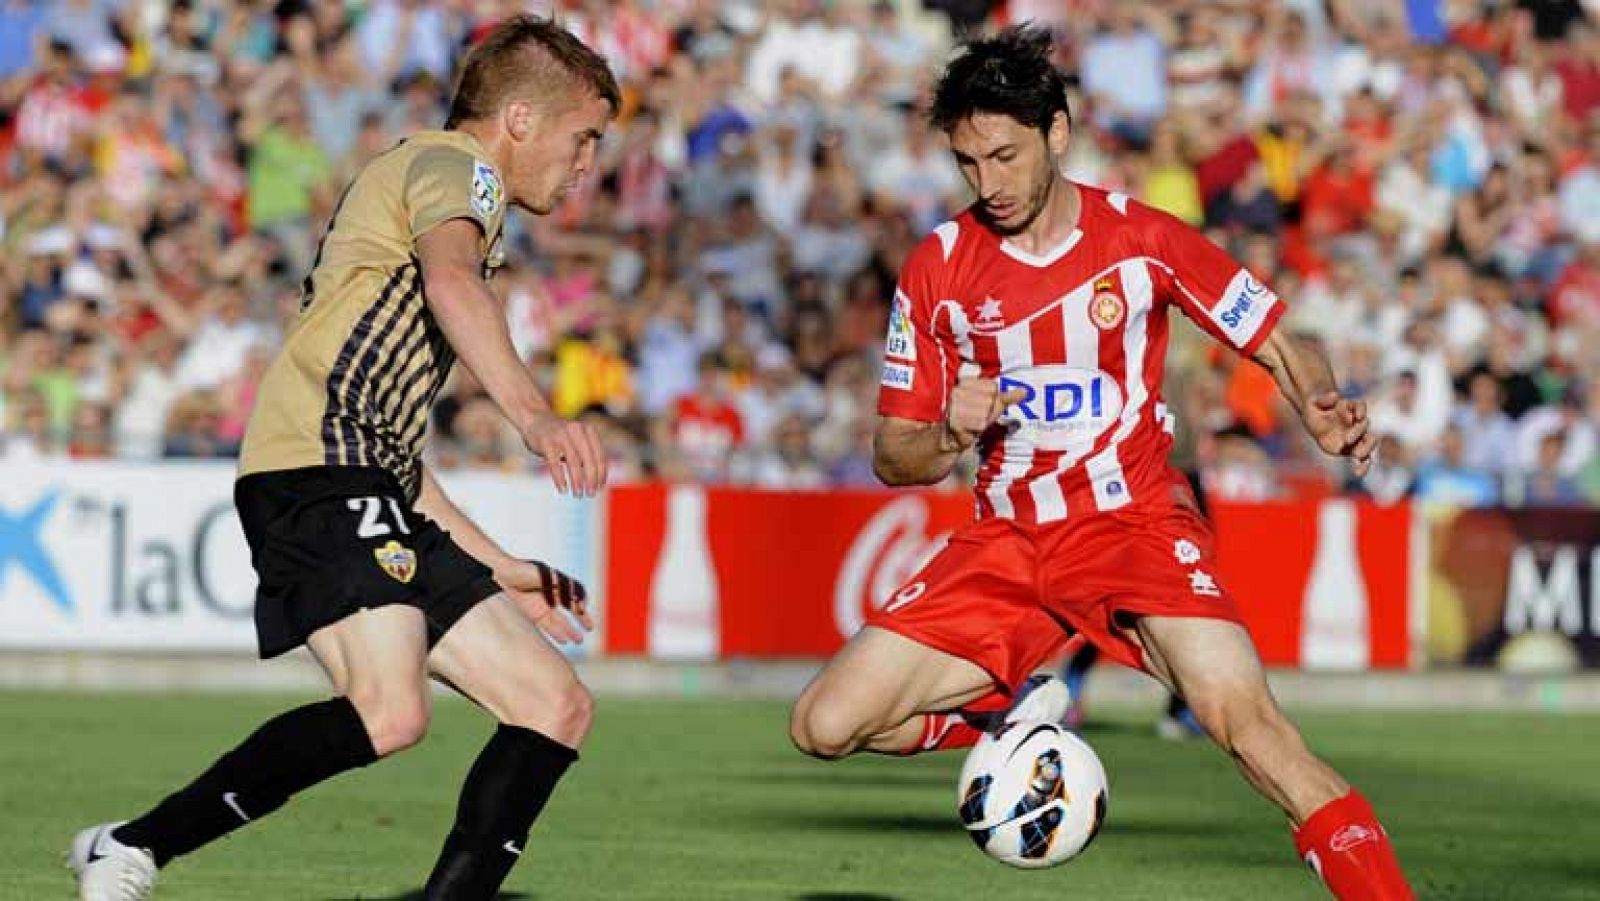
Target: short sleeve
(444, 183)
(1213, 289)
(919, 365)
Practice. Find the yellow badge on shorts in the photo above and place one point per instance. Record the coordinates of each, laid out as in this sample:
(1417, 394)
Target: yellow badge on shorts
(398, 561)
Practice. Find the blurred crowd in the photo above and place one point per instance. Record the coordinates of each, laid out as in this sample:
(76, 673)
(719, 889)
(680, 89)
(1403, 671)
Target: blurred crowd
(1420, 181)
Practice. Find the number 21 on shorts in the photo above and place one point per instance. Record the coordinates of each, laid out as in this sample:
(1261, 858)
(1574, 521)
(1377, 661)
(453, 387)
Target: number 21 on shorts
(371, 510)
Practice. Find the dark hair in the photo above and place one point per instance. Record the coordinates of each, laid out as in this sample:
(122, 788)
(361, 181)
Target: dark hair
(1010, 74)
(527, 57)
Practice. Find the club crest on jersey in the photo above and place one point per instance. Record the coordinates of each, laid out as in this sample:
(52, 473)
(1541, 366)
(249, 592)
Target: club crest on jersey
(1106, 309)
(399, 561)
(486, 192)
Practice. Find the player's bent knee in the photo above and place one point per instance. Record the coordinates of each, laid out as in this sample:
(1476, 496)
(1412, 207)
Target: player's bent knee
(563, 713)
(393, 723)
(825, 731)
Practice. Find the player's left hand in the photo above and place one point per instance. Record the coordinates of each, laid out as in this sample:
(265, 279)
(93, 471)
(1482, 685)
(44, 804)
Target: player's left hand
(1340, 426)
(543, 592)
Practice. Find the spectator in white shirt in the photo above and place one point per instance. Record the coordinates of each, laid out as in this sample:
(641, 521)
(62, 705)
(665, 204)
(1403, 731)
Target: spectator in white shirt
(217, 347)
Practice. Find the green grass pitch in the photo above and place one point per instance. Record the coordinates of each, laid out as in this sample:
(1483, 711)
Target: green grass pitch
(699, 800)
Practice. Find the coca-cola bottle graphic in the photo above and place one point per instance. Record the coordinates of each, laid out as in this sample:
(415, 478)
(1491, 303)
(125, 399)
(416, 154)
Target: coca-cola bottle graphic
(683, 590)
(1334, 619)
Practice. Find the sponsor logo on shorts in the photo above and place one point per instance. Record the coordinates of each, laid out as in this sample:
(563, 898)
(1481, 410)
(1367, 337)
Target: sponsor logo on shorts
(905, 596)
(399, 561)
(1203, 583)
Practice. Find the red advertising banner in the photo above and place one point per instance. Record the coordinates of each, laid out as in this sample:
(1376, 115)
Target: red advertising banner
(702, 573)
(707, 573)
(1322, 584)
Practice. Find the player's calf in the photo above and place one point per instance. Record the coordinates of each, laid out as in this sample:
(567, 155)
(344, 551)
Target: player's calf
(1339, 835)
(287, 754)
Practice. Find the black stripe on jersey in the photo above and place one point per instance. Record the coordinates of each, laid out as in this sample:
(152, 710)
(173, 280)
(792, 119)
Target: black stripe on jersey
(337, 430)
(396, 400)
(415, 416)
(434, 343)
(357, 400)
(392, 372)
(411, 480)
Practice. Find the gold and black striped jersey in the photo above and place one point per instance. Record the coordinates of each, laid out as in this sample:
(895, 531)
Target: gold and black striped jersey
(359, 369)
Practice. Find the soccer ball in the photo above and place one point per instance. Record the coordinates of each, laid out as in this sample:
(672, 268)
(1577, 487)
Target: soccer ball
(1032, 795)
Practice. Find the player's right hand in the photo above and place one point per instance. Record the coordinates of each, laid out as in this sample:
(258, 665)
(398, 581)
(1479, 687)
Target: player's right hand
(974, 406)
(571, 450)
(542, 591)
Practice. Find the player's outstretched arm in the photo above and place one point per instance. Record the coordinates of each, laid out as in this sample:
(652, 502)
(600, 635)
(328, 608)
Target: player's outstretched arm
(1338, 424)
(910, 452)
(538, 588)
(474, 323)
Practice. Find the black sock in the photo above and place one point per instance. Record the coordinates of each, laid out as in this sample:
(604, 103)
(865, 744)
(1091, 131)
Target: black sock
(503, 794)
(290, 752)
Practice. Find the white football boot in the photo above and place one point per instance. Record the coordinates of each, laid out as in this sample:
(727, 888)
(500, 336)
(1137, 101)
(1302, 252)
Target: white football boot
(108, 870)
(1042, 698)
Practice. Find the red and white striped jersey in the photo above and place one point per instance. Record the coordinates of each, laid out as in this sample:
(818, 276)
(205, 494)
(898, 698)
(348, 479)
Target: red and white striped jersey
(1083, 330)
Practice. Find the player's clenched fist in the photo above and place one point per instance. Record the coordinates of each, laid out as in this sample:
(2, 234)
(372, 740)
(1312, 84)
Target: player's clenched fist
(974, 406)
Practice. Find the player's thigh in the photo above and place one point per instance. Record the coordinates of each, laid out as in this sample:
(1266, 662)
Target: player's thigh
(1211, 663)
(880, 678)
(498, 658)
(376, 657)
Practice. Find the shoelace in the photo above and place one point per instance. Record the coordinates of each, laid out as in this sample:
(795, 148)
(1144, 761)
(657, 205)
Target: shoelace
(134, 882)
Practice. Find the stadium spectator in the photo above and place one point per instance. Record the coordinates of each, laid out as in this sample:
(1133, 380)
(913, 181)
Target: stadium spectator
(1422, 190)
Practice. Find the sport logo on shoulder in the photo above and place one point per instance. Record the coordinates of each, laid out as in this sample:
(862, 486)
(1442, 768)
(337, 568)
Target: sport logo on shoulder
(486, 194)
(398, 561)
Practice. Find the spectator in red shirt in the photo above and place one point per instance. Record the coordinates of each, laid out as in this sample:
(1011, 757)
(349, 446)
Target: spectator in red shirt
(704, 430)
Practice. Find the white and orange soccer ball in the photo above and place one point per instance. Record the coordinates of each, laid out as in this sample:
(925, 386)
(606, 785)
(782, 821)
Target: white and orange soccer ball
(1033, 794)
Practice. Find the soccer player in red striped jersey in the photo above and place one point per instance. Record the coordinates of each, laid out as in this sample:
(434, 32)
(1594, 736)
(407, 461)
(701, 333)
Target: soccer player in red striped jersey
(1034, 326)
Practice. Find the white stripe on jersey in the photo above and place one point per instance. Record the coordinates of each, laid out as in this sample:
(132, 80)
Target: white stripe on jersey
(1104, 469)
(1083, 352)
(948, 232)
(961, 330)
(1014, 345)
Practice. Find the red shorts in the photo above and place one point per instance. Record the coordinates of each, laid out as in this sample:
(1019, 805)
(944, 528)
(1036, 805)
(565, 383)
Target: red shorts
(1006, 595)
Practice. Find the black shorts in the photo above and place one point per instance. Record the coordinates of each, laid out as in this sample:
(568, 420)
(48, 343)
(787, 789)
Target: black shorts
(327, 541)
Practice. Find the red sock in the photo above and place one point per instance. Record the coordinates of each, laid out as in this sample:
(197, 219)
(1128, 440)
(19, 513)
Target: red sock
(944, 732)
(1344, 844)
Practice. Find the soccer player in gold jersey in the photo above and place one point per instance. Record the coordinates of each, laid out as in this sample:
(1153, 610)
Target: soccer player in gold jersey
(360, 555)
